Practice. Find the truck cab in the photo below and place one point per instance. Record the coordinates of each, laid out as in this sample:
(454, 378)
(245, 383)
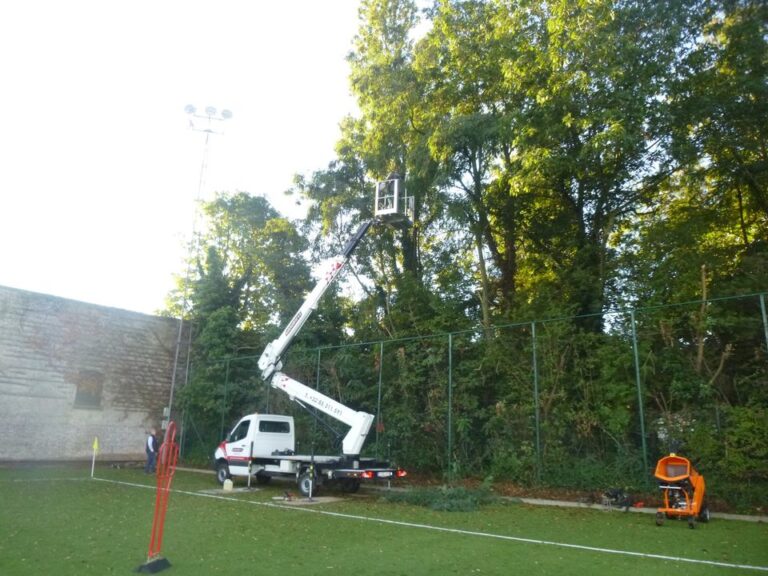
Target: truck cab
(256, 439)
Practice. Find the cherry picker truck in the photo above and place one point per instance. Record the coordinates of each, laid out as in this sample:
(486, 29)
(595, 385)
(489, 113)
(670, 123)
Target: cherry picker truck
(263, 445)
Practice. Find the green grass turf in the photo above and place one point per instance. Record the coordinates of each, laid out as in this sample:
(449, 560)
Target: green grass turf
(57, 520)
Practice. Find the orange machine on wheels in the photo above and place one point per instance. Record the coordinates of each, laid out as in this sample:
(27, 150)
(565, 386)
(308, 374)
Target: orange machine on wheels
(683, 491)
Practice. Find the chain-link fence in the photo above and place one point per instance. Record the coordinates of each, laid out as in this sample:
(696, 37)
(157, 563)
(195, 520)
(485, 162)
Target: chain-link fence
(545, 401)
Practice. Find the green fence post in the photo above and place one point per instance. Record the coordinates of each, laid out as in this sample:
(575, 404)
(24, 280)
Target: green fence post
(182, 436)
(450, 406)
(536, 403)
(224, 404)
(639, 392)
(314, 410)
(378, 400)
(765, 320)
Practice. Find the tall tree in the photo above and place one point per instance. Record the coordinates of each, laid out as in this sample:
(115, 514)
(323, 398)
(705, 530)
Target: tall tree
(385, 138)
(250, 279)
(592, 77)
(710, 207)
(465, 105)
(388, 136)
(720, 117)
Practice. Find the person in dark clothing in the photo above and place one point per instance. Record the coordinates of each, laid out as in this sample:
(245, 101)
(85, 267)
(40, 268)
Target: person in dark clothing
(151, 449)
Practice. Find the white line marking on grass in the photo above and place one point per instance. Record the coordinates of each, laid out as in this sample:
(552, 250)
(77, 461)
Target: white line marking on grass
(25, 480)
(458, 531)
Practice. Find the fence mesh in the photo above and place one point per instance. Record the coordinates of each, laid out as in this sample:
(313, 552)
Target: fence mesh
(539, 402)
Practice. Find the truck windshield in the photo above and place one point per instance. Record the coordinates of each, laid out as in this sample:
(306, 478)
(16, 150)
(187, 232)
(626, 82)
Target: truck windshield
(240, 432)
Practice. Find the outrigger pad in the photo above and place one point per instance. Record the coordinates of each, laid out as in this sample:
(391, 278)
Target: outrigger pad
(154, 566)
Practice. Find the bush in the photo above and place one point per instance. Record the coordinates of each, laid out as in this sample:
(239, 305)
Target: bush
(445, 498)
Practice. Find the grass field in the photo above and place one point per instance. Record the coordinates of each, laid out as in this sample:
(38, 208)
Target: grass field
(56, 520)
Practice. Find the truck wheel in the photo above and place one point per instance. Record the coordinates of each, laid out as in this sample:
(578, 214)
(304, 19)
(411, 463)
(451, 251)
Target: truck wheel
(305, 485)
(222, 472)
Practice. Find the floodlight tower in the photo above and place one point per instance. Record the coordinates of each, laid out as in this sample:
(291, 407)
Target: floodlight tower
(205, 123)
(210, 117)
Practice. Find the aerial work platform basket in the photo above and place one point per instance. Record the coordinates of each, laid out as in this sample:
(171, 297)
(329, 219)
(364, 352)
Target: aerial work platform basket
(393, 204)
(683, 491)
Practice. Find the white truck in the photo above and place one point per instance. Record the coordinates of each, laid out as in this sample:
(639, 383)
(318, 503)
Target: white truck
(263, 445)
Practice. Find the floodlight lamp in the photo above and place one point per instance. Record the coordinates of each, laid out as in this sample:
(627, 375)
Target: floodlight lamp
(189, 109)
(210, 111)
(226, 114)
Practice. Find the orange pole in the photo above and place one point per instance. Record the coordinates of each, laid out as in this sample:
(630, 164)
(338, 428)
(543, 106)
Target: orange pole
(166, 467)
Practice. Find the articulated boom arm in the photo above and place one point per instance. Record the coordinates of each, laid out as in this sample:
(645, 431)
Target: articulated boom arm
(270, 362)
(359, 422)
(271, 359)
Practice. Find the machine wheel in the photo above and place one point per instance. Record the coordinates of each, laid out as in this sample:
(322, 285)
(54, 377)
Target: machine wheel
(704, 515)
(305, 485)
(349, 485)
(660, 518)
(691, 522)
(222, 472)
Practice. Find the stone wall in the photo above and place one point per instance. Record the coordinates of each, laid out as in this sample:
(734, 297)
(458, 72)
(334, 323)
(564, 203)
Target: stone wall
(71, 372)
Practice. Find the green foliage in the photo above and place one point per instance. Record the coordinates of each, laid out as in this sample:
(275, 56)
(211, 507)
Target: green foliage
(594, 474)
(249, 274)
(739, 450)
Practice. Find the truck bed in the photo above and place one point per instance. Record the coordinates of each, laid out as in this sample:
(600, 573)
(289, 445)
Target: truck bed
(365, 463)
(320, 459)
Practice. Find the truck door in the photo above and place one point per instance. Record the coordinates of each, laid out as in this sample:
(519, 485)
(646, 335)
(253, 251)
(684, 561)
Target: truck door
(238, 448)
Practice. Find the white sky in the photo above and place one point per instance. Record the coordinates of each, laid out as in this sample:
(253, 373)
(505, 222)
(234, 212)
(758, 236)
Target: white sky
(98, 169)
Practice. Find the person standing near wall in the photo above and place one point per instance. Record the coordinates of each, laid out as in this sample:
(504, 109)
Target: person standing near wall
(151, 449)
